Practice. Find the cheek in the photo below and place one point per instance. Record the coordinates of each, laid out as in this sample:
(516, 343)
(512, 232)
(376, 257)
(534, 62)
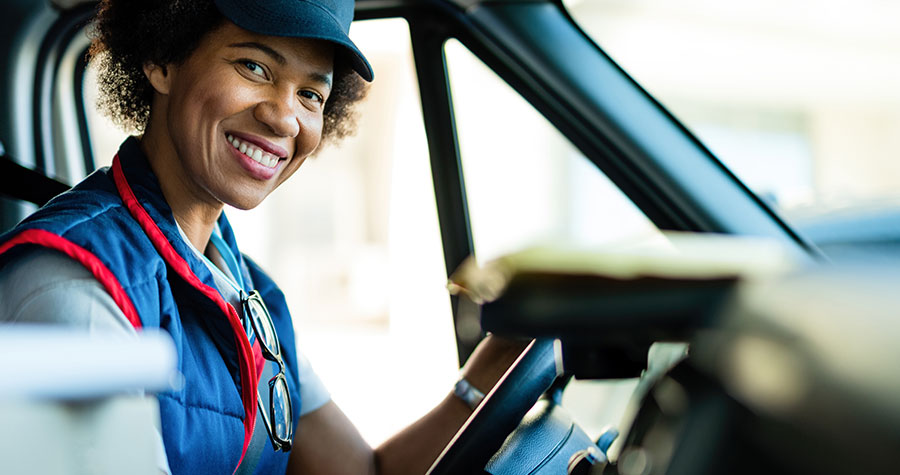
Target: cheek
(221, 103)
(311, 135)
(210, 99)
(188, 113)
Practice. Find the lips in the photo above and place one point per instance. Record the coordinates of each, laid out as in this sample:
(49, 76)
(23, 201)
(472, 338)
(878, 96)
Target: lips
(259, 155)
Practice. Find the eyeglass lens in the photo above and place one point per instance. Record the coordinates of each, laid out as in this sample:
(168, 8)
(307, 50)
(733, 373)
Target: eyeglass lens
(262, 323)
(281, 410)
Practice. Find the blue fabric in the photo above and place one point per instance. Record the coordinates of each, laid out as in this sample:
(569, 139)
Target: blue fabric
(228, 256)
(202, 422)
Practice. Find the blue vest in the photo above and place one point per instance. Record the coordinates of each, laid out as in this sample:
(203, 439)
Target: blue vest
(117, 223)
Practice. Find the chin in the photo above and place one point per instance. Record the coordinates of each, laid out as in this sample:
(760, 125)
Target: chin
(243, 206)
(244, 203)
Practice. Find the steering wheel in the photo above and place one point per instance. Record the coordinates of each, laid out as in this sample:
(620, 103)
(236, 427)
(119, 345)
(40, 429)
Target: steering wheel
(500, 412)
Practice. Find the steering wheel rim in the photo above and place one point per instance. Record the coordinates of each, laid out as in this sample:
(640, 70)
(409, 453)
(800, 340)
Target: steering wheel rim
(500, 412)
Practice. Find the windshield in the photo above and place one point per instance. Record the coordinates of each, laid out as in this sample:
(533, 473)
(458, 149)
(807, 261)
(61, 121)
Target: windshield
(799, 98)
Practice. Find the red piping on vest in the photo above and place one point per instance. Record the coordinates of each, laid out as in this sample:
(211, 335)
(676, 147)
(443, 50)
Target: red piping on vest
(248, 370)
(86, 258)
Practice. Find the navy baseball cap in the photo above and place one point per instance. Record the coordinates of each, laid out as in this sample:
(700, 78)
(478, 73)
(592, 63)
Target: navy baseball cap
(315, 19)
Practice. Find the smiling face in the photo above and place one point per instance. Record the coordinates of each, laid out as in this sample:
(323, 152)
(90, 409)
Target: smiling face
(238, 117)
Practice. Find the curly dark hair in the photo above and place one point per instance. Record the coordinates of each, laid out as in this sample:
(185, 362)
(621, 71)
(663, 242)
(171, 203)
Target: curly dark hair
(126, 34)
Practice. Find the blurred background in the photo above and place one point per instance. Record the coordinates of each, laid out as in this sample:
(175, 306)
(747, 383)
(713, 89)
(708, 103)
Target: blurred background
(798, 98)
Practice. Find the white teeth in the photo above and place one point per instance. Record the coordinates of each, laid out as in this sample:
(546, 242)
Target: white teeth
(264, 158)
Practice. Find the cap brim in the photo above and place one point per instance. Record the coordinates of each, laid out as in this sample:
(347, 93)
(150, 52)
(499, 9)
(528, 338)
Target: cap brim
(301, 20)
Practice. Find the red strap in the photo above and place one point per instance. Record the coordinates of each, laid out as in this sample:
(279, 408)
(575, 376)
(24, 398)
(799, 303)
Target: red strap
(102, 273)
(260, 359)
(248, 371)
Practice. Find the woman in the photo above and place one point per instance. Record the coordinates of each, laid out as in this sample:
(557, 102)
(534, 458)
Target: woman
(230, 97)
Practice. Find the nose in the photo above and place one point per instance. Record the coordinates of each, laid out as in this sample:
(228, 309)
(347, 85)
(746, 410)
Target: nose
(280, 113)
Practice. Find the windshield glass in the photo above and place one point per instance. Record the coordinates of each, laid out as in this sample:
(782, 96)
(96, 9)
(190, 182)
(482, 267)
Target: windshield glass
(799, 98)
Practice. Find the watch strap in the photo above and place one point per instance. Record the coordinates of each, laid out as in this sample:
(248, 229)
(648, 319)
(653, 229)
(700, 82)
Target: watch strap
(467, 393)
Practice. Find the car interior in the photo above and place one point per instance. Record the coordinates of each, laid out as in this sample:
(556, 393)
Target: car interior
(714, 339)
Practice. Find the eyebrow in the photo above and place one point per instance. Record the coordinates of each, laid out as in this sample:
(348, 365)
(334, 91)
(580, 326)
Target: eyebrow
(265, 49)
(275, 55)
(322, 78)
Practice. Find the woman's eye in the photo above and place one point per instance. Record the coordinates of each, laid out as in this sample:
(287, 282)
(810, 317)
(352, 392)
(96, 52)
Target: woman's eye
(254, 68)
(314, 96)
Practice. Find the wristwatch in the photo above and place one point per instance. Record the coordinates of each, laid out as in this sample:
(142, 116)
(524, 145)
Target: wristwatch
(467, 393)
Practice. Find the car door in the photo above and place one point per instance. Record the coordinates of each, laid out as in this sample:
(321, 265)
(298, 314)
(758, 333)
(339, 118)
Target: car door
(491, 126)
